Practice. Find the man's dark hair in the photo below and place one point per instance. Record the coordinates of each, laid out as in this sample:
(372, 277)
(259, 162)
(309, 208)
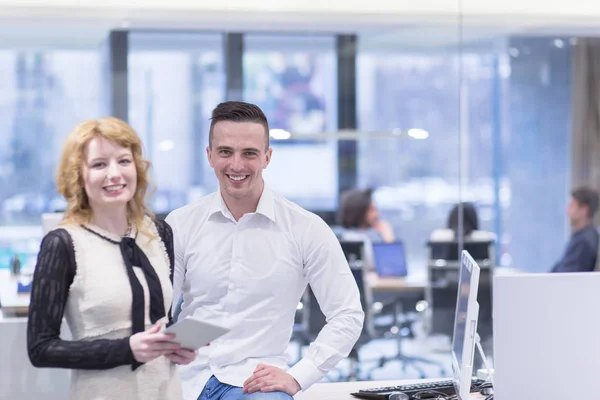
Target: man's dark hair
(354, 206)
(586, 196)
(238, 111)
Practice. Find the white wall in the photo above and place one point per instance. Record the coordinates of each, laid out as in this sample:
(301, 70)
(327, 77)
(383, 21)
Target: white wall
(343, 13)
(485, 7)
(391, 23)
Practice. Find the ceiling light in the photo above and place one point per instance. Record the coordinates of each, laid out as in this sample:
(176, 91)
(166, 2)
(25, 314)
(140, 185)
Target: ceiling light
(279, 134)
(418, 134)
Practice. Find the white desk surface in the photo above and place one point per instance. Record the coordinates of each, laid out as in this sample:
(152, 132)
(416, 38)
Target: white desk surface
(342, 390)
(9, 297)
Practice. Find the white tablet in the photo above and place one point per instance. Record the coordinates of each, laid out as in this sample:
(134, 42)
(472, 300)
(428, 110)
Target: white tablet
(192, 334)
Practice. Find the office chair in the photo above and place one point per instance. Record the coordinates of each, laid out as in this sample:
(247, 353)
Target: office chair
(355, 252)
(314, 320)
(443, 269)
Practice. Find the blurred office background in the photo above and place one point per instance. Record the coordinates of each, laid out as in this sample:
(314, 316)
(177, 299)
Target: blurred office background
(411, 112)
(428, 105)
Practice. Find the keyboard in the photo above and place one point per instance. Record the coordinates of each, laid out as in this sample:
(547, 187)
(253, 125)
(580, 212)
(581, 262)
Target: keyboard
(445, 387)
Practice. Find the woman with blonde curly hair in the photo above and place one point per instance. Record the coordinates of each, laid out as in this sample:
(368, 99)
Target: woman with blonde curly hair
(108, 268)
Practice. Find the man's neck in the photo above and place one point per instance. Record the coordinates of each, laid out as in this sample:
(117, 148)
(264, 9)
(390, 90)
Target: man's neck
(580, 225)
(245, 205)
(113, 221)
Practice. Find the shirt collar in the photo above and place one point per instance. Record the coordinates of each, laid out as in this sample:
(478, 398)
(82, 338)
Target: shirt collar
(266, 204)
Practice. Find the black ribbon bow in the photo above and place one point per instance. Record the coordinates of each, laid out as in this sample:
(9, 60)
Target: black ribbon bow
(133, 256)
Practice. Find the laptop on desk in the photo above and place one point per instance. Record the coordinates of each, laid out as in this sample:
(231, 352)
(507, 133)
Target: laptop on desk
(390, 259)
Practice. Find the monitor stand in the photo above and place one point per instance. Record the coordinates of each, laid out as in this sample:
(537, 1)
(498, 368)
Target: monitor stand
(484, 358)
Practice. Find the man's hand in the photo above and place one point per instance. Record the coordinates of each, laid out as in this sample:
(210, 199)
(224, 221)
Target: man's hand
(182, 356)
(267, 378)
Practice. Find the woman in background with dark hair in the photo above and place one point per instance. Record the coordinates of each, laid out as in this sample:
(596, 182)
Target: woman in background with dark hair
(469, 217)
(359, 214)
(361, 221)
(470, 225)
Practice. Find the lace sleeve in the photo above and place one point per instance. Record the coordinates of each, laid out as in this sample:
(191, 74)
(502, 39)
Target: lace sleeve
(166, 235)
(54, 273)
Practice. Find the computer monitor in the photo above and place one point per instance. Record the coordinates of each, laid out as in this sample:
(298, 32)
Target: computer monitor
(465, 326)
(390, 259)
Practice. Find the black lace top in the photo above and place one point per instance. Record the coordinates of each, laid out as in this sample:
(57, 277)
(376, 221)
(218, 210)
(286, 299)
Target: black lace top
(53, 276)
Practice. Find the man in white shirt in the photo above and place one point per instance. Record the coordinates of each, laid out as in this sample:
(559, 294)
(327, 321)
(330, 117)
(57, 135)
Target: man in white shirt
(246, 254)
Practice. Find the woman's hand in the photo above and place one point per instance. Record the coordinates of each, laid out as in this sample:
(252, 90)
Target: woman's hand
(385, 230)
(182, 356)
(151, 344)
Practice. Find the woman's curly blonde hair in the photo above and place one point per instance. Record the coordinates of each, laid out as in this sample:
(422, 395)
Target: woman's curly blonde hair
(69, 179)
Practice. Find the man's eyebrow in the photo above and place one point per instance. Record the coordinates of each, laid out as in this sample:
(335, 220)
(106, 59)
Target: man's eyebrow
(254, 149)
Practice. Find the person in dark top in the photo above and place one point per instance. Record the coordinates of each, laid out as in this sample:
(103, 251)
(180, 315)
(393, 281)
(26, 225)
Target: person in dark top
(582, 250)
(108, 269)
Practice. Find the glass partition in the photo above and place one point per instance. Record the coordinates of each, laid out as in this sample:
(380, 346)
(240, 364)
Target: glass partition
(293, 78)
(44, 93)
(175, 80)
(409, 144)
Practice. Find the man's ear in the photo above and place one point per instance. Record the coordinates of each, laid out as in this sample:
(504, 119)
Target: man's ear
(268, 157)
(209, 156)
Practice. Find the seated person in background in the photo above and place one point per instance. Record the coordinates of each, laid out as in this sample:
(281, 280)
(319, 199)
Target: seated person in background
(581, 252)
(470, 226)
(359, 214)
(361, 222)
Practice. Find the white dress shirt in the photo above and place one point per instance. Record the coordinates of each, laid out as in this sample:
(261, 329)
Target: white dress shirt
(252, 273)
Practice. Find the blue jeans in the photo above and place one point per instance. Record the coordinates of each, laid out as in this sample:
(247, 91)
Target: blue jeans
(215, 390)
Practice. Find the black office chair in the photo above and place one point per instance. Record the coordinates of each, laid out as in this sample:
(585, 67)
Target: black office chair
(314, 320)
(442, 289)
(354, 252)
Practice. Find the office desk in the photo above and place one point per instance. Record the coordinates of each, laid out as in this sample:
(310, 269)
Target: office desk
(342, 390)
(12, 303)
(396, 285)
(18, 378)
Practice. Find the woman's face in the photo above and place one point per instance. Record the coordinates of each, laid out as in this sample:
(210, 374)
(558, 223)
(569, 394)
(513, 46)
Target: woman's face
(372, 215)
(109, 174)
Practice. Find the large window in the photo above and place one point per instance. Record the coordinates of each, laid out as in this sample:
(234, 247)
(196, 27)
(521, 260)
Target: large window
(43, 95)
(536, 127)
(513, 164)
(294, 80)
(175, 80)
(408, 153)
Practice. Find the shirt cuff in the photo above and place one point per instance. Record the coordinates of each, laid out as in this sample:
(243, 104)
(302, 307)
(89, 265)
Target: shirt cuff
(305, 372)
